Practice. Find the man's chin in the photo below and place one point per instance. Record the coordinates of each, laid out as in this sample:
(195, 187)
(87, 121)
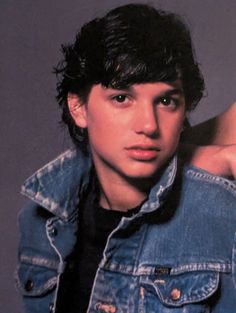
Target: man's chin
(144, 175)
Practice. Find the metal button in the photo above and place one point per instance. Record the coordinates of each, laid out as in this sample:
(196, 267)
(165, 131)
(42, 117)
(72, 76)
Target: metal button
(54, 231)
(29, 285)
(175, 294)
(51, 308)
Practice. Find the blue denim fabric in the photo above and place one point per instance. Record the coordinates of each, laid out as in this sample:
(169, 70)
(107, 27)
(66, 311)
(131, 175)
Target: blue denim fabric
(178, 254)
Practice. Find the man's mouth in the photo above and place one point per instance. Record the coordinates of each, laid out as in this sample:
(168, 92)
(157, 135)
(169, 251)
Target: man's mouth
(143, 152)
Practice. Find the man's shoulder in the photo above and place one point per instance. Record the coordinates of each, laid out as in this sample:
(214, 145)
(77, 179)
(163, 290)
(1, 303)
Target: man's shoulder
(55, 164)
(200, 185)
(56, 185)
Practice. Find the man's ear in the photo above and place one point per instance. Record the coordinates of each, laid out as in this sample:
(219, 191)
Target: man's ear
(77, 110)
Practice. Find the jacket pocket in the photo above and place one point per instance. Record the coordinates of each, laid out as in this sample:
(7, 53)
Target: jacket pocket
(33, 280)
(177, 290)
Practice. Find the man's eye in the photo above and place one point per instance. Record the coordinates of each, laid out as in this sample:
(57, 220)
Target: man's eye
(120, 98)
(168, 101)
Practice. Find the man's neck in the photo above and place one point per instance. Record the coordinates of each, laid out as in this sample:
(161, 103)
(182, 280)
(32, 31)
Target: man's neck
(120, 194)
(120, 198)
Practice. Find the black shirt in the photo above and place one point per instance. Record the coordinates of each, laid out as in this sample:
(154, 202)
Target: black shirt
(95, 225)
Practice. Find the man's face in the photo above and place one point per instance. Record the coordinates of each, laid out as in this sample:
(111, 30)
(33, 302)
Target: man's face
(133, 132)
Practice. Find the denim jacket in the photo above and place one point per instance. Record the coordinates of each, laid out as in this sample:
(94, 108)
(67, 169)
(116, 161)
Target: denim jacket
(177, 254)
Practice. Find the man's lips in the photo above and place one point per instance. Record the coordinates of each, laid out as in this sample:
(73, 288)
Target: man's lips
(143, 152)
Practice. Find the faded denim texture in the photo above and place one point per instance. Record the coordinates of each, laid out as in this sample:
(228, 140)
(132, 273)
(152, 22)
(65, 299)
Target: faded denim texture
(177, 255)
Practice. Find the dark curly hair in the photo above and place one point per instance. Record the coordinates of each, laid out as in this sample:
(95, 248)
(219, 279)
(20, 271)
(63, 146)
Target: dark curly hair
(134, 43)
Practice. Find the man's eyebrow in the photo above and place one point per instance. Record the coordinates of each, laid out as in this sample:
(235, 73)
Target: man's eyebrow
(174, 91)
(125, 88)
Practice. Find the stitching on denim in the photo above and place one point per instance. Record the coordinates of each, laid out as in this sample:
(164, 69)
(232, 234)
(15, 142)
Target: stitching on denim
(204, 291)
(227, 184)
(218, 267)
(41, 200)
(49, 204)
(38, 197)
(50, 165)
(225, 267)
(171, 174)
(39, 261)
(234, 261)
(150, 270)
(61, 263)
(115, 267)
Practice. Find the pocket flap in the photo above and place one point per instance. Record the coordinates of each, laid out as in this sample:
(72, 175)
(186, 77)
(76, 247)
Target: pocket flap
(190, 287)
(34, 280)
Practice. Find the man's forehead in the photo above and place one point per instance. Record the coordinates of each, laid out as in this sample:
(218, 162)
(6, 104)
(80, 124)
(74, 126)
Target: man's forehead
(175, 85)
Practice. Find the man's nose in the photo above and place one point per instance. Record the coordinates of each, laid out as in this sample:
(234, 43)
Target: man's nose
(146, 120)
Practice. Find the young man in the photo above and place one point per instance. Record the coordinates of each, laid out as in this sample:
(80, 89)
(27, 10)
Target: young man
(120, 223)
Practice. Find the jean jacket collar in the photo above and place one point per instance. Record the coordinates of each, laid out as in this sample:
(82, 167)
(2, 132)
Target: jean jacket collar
(58, 185)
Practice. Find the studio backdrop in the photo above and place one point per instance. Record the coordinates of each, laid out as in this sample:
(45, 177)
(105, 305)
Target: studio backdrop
(31, 33)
